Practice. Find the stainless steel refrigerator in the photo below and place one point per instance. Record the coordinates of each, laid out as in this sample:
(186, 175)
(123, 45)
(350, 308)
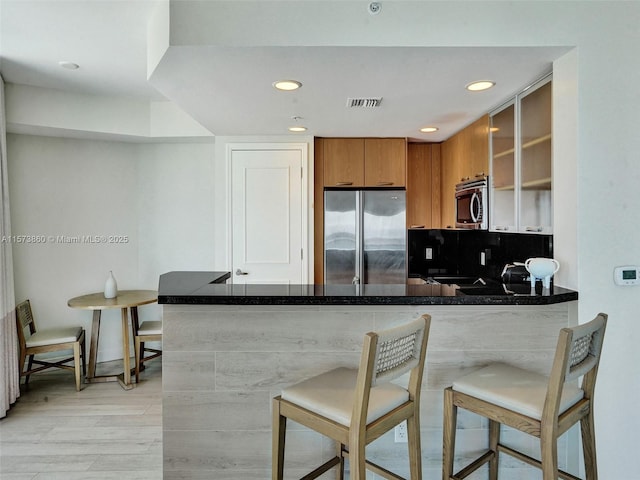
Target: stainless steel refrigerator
(365, 237)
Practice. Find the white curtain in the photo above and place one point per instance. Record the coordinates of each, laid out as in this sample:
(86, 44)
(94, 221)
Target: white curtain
(10, 381)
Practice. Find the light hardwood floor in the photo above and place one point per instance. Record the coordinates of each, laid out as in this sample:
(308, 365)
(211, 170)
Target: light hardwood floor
(102, 432)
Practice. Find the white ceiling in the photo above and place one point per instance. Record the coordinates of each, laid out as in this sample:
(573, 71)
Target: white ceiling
(228, 89)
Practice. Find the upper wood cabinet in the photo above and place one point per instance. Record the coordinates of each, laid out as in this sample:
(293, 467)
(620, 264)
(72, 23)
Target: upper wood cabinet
(423, 185)
(343, 162)
(385, 162)
(364, 162)
(474, 150)
(464, 156)
(479, 152)
(451, 169)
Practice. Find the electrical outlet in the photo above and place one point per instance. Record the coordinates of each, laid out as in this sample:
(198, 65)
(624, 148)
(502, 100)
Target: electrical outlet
(428, 253)
(400, 433)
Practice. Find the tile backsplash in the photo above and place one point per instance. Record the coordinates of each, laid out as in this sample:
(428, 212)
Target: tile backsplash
(458, 252)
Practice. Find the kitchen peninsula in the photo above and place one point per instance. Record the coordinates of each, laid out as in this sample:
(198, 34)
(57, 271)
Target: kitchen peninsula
(228, 349)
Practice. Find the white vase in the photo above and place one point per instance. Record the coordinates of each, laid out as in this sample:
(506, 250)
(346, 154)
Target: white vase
(110, 287)
(541, 268)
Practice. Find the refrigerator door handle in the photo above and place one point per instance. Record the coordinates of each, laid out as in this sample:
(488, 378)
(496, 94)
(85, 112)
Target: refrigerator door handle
(360, 277)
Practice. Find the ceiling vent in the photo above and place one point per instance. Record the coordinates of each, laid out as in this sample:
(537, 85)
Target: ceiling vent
(371, 102)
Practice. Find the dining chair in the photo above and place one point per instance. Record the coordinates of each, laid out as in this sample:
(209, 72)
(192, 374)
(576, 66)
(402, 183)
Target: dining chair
(148, 331)
(542, 406)
(47, 341)
(353, 407)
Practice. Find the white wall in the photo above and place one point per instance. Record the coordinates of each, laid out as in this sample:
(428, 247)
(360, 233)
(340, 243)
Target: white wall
(176, 226)
(607, 184)
(157, 195)
(565, 178)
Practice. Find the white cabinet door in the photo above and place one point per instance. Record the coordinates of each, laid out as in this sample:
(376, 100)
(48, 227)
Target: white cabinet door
(267, 216)
(535, 160)
(521, 195)
(502, 203)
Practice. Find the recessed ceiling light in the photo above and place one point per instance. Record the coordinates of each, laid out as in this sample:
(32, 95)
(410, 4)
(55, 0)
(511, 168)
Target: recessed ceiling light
(480, 85)
(296, 127)
(287, 85)
(429, 129)
(69, 65)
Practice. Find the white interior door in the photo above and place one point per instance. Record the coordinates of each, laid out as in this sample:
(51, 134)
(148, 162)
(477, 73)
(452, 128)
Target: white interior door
(267, 216)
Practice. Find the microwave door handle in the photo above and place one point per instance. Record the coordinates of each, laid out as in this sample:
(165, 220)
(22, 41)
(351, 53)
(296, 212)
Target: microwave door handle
(475, 207)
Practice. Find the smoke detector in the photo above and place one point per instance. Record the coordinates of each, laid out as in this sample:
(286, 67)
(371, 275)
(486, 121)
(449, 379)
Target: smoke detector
(374, 8)
(371, 102)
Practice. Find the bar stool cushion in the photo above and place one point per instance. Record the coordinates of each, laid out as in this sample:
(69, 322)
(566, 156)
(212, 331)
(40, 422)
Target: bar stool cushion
(54, 336)
(150, 327)
(331, 395)
(514, 388)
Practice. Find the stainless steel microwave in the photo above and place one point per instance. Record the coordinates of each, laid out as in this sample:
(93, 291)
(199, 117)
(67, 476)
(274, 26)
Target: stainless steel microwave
(472, 209)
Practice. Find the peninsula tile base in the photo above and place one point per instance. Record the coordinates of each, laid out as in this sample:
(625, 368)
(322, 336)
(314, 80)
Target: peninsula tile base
(222, 364)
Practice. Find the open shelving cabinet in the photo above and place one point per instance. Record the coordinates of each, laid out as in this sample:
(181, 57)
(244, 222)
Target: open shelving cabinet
(521, 161)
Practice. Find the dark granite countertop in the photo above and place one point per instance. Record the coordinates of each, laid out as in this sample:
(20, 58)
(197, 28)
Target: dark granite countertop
(208, 288)
(186, 283)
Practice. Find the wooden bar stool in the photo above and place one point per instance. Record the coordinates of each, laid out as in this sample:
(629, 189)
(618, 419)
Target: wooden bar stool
(355, 406)
(545, 407)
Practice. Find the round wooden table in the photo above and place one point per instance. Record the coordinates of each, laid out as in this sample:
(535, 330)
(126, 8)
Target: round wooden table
(125, 301)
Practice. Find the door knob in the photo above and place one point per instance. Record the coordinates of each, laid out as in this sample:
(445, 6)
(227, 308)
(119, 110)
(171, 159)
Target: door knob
(240, 272)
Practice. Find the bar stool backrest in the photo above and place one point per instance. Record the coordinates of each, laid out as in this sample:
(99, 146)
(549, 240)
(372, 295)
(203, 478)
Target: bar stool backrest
(397, 351)
(24, 317)
(577, 355)
(586, 347)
